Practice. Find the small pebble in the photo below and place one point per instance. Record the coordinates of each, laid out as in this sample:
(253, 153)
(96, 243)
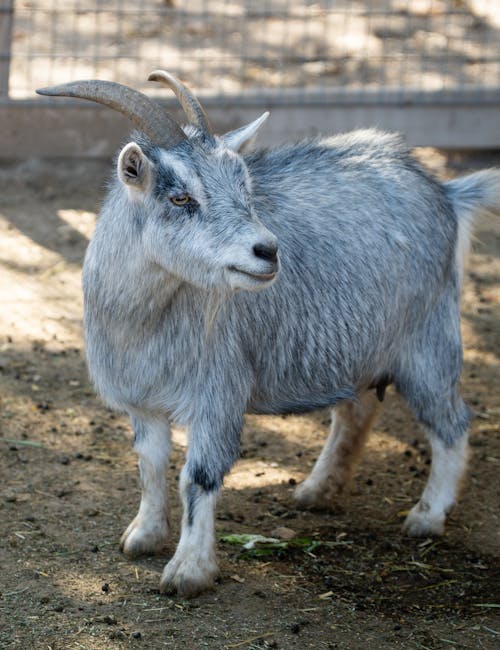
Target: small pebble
(283, 533)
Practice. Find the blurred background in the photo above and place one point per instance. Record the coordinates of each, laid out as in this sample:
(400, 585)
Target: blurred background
(428, 68)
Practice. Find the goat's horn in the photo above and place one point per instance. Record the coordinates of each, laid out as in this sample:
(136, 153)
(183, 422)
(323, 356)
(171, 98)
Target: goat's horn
(191, 106)
(147, 115)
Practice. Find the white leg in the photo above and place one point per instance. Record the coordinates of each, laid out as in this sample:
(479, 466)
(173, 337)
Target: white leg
(351, 422)
(428, 516)
(193, 567)
(148, 532)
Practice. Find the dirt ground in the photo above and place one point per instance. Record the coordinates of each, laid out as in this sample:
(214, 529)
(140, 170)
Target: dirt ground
(70, 483)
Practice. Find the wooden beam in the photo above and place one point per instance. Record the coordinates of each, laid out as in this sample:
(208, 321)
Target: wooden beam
(91, 131)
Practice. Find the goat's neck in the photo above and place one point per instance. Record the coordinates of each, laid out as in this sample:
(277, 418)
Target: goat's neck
(125, 280)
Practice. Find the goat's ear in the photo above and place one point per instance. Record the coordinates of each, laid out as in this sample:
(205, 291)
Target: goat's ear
(134, 168)
(243, 137)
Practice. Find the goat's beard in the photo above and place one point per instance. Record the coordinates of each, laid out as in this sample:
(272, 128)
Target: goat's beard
(215, 305)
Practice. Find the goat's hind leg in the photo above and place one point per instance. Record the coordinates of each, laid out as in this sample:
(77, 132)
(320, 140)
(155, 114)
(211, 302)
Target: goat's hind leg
(148, 532)
(429, 382)
(446, 427)
(351, 423)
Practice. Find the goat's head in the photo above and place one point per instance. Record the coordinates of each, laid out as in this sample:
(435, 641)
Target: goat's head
(189, 191)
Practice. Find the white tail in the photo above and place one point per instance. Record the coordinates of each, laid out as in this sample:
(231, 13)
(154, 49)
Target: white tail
(472, 195)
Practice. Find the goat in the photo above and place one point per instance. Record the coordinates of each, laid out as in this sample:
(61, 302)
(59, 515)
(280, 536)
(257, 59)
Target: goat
(192, 317)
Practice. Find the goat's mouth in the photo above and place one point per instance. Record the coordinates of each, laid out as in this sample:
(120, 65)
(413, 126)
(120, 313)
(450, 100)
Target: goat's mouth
(262, 277)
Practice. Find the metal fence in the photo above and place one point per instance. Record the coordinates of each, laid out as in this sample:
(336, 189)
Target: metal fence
(226, 47)
(428, 68)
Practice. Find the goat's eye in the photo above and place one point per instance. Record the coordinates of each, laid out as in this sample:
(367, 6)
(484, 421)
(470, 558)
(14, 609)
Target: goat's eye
(181, 199)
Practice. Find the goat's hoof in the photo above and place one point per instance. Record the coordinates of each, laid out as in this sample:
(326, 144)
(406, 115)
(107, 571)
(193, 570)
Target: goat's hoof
(188, 577)
(421, 522)
(140, 539)
(312, 496)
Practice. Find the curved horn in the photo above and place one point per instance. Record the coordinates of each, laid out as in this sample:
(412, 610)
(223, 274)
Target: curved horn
(140, 109)
(191, 106)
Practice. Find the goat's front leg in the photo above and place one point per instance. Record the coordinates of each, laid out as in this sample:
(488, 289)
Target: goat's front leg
(148, 531)
(193, 567)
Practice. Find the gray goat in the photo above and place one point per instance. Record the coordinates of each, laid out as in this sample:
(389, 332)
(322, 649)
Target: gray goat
(191, 317)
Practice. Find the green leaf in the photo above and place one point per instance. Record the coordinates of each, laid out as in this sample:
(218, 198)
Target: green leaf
(23, 443)
(258, 545)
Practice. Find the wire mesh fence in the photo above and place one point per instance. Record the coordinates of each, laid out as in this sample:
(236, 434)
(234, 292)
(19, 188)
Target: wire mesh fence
(230, 47)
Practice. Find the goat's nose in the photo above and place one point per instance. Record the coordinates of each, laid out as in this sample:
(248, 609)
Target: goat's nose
(268, 252)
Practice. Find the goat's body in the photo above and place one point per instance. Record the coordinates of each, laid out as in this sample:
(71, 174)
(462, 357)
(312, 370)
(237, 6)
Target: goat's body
(358, 232)
(368, 293)
(188, 317)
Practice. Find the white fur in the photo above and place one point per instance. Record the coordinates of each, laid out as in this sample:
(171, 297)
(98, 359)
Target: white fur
(464, 193)
(428, 516)
(148, 531)
(193, 567)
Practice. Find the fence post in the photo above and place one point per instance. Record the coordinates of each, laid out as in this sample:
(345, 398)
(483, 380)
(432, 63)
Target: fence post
(6, 19)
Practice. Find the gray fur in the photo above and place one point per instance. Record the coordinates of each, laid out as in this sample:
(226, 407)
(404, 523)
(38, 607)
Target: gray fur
(368, 289)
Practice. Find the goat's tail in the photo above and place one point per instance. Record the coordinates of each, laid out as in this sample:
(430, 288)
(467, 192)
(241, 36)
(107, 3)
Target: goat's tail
(471, 196)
